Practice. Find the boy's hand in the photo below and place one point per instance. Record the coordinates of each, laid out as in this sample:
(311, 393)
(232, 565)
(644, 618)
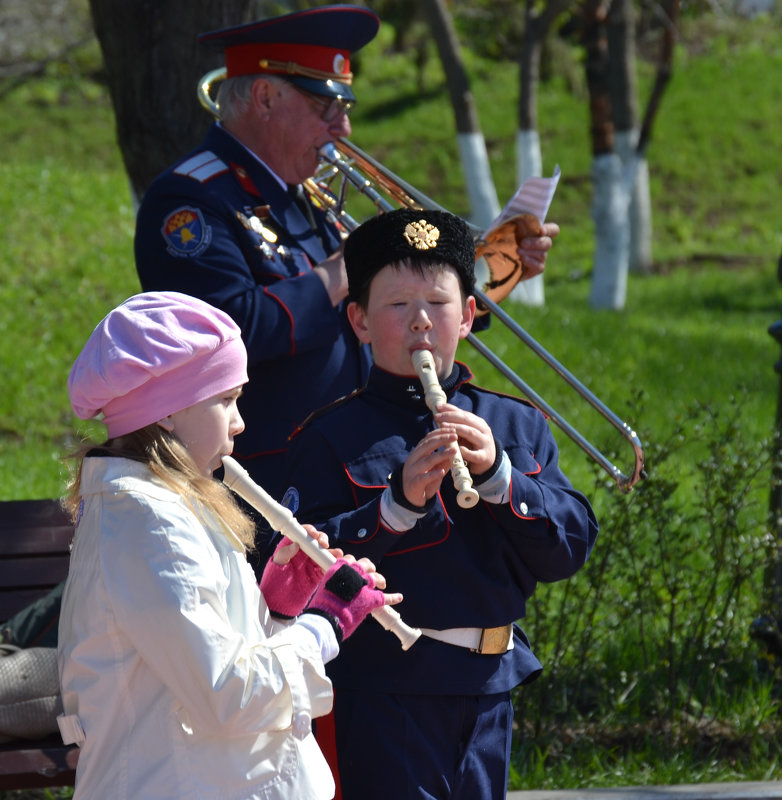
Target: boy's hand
(428, 462)
(476, 440)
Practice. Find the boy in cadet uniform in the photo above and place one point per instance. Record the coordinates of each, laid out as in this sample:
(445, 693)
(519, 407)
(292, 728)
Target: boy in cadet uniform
(372, 470)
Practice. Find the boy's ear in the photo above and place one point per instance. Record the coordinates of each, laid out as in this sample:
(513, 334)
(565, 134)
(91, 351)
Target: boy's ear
(468, 317)
(358, 321)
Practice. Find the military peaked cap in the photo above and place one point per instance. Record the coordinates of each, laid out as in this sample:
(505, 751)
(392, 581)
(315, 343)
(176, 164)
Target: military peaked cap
(309, 48)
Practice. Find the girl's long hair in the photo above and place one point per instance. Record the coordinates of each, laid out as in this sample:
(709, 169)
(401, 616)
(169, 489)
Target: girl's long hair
(170, 462)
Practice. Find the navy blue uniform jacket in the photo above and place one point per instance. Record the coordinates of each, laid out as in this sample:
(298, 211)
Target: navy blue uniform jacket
(205, 228)
(456, 567)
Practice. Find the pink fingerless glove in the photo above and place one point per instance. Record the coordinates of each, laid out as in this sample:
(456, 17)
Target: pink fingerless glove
(287, 588)
(346, 595)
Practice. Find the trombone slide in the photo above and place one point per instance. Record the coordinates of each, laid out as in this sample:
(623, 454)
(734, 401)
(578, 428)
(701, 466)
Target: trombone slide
(339, 156)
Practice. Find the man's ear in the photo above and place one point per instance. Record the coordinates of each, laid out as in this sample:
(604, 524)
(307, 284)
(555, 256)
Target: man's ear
(167, 424)
(261, 95)
(358, 321)
(468, 317)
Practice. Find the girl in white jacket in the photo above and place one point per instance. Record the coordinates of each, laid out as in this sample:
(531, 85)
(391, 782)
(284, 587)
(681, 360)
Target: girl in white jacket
(176, 680)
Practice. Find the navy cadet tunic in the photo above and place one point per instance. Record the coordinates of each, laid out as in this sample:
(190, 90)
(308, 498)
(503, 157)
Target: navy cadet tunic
(456, 567)
(218, 225)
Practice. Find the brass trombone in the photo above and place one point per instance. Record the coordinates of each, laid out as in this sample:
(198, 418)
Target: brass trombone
(355, 167)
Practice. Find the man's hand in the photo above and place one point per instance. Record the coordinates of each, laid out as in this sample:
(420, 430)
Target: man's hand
(335, 279)
(534, 249)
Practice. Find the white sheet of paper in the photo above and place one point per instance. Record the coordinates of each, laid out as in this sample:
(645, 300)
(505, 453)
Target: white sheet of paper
(534, 196)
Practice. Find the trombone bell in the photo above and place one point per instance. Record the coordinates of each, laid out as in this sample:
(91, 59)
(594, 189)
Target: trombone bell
(500, 251)
(205, 89)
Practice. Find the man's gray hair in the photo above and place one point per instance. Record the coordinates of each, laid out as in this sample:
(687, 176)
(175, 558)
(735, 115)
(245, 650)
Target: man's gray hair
(233, 95)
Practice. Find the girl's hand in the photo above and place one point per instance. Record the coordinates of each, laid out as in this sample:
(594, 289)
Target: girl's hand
(287, 549)
(291, 576)
(378, 580)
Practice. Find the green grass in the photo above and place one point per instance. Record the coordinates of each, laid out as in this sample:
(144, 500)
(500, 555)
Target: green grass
(693, 332)
(67, 259)
(69, 224)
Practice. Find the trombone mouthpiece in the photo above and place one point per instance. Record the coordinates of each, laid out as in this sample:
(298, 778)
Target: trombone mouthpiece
(328, 152)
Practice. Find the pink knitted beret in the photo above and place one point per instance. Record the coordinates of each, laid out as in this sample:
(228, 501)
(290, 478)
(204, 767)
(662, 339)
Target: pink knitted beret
(155, 354)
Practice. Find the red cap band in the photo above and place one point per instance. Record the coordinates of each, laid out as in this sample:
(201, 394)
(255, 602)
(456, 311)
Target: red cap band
(248, 59)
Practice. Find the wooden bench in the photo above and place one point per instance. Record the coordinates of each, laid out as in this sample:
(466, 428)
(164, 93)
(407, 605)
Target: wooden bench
(35, 536)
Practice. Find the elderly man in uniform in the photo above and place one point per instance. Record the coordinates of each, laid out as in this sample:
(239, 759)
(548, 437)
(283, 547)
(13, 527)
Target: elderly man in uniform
(228, 223)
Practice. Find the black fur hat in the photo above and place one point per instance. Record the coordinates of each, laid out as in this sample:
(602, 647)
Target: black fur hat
(423, 237)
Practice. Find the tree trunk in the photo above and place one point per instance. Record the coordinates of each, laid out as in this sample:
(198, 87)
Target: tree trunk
(472, 145)
(621, 50)
(529, 160)
(640, 210)
(612, 233)
(609, 208)
(154, 62)
(597, 74)
(536, 29)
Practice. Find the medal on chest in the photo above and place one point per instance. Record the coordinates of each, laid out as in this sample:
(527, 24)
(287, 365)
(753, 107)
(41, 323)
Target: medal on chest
(256, 220)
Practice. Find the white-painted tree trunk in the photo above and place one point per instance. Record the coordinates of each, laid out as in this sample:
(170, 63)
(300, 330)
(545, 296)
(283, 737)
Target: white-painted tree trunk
(610, 204)
(529, 164)
(640, 212)
(477, 175)
(480, 189)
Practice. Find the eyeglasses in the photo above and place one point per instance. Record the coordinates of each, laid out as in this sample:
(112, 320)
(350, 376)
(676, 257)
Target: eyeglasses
(331, 107)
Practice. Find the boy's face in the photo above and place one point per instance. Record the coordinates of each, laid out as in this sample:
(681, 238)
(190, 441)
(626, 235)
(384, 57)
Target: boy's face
(407, 311)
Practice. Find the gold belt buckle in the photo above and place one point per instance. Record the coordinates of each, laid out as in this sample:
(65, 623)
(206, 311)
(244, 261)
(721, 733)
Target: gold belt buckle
(494, 640)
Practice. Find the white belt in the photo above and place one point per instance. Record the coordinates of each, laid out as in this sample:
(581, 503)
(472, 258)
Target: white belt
(487, 641)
